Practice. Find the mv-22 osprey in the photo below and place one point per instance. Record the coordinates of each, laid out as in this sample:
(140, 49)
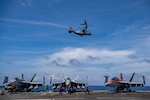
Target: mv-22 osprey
(120, 84)
(81, 32)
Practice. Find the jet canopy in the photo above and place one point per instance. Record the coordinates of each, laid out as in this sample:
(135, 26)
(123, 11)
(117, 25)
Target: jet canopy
(115, 78)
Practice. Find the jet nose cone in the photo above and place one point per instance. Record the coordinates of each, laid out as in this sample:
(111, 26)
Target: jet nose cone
(107, 83)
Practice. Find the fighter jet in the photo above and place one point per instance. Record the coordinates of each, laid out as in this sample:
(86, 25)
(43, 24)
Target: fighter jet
(21, 84)
(120, 84)
(81, 32)
(68, 83)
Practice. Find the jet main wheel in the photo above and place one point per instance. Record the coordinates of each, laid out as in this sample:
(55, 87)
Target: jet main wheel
(130, 90)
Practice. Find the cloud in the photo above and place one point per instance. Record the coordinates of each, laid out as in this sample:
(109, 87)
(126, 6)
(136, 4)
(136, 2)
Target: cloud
(93, 58)
(25, 2)
(33, 22)
(6, 38)
(89, 61)
(144, 61)
(29, 3)
(136, 29)
(74, 62)
(87, 56)
(57, 64)
(134, 34)
(80, 59)
(9, 63)
(132, 57)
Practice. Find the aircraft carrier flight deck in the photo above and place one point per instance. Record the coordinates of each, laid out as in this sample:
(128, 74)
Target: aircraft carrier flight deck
(94, 95)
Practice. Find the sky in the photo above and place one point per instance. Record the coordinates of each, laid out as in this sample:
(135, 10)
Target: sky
(34, 38)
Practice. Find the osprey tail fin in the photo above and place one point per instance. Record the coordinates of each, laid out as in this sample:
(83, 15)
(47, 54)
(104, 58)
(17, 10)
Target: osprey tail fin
(70, 30)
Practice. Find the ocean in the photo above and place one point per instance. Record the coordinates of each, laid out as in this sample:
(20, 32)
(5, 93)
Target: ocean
(91, 88)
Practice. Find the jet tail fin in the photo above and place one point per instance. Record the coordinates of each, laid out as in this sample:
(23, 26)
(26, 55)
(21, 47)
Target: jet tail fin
(106, 78)
(132, 77)
(43, 80)
(5, 80)
(50, 79)
(64, 77)
(22, 76)
(143, 80)
(33, 77)
(121, 76)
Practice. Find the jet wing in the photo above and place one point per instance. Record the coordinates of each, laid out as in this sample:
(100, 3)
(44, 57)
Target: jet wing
(31, 85)
(78, 85)
(57, 85)
(135, 84)
(123, 82)
(36, 83)
(132, 84)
